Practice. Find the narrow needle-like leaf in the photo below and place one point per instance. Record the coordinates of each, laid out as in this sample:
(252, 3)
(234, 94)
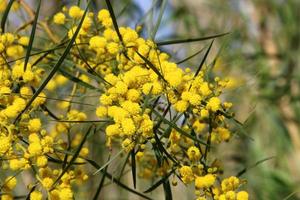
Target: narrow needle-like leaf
(56, 67)
(179, 41)
(32, 34)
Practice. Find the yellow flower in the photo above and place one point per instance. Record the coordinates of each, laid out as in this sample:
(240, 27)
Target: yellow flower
(205, 181)
(16, 164)
(113, 48)
(10, 182)
(213, 104)
(6, 197)
(186, 174)
(112, 130)
(15, 51)
(66, 194)
(181, 106)
(24, 40)
(193, 153)
(75, 12)
(131, 107)
(104, 18)
(47, 183)
(34, 125)
(60, 79)
(101, 111)
(242, 195)
(97, 42)
(35, 149)
(36, 195)
(195, 99)
(59, 18)
(5, 143)
(41, 161)
(204, 89)
(3, 5)
(128, 126)
(41, 99)
(127, 145)
(133, 95)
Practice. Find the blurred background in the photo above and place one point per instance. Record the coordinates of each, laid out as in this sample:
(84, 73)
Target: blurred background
(260, 58)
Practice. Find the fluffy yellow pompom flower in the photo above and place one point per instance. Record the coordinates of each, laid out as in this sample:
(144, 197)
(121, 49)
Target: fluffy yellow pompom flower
(16, 164)
(15, 51)
(2, 5)
(47, 183)
(205, 181)
(112, 130)
(213, 104)
(66, 194)
(59, 18)
(204, 89)
(230, 195)
(41, 161)
(231, 183)
(34, 125)
(60, 79)
(186, 174)
(193, 153)
(6, 197)
(242, 195)
(75, 12)
(10, 182)
(104, 18)
(28, 76)
(101, 111)
(181, 106)
(35, 149)
(127, 145)
(133, 95)
(5, 143)
(36, 195)
(102, 14)
(24, 40)
(97, 42)
(128, 126)
(195, 99)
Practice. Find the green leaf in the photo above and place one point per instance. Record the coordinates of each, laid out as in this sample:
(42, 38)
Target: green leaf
(254, 165)
(113, 17)
(56, 67)
(32, 34)
(123, 166)
(100, 184)
(115, 180)
(152, 66)
(108, 162)
(179, 41)
(74, 157)
(161, 181)
(189, 57)
(163, 150)
(203, 60)
(161, 12)
(5, 15)
(133, 168)
(167, 190)
(77, 80)
(173, 125)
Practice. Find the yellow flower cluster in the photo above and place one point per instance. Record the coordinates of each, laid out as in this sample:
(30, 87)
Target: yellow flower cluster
(25, 144)
(164, 115)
